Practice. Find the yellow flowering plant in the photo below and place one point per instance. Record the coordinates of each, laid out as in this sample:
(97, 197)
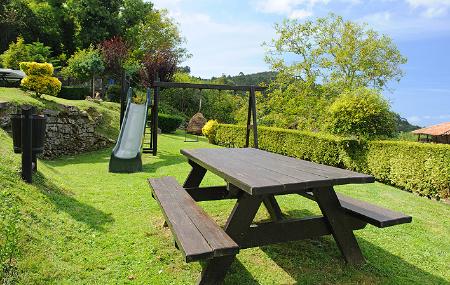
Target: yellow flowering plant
(209, 130)
(39, 78)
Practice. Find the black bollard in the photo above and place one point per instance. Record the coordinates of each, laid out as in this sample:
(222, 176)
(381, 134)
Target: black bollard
(27, 151)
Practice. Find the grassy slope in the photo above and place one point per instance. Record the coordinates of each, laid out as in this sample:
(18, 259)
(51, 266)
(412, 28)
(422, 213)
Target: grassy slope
(108, 110)
(83, 225)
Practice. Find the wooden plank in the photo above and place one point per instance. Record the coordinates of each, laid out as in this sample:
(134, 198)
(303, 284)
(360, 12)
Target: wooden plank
(291, 230)
(212, 193)
(234, 172)
(286, 164)
(206, 86)
(195, 176)
(258, 172)
(217, 239)
(291, 179)
(340, 229)
(188, 237)
(236, 227)
(372, 214)
(255, 173)
(375, 215)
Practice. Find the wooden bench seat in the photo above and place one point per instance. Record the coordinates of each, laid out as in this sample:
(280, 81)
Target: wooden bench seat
(195, 233)
(372, 214)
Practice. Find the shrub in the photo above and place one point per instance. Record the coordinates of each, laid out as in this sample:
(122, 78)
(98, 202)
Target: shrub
(39, 78)
(209, 130)
(169, 123)
(19, 52)
(84, 64)
(113, 93)
(38, 69)
(362, 112)
(416, 167)
(74, 93)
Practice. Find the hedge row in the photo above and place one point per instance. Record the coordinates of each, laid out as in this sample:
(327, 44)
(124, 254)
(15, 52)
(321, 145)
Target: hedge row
(74, 93)
(416, 167)
(169, 123)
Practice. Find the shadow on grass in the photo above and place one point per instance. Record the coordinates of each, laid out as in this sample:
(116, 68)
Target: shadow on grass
(93, 157)
(318, 261)
(63, 201)
(164, 159)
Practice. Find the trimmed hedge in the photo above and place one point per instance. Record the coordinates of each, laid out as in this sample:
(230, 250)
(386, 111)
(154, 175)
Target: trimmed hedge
(74, 93)
(416, 167)
(169, 123)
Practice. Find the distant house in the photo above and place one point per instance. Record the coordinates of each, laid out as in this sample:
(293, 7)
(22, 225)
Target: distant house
(437, 133)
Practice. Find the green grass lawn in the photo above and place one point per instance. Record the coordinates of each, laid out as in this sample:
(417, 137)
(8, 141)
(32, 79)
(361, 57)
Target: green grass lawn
(83, 225)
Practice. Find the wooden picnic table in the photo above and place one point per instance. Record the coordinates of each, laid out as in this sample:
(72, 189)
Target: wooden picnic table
(254, 178)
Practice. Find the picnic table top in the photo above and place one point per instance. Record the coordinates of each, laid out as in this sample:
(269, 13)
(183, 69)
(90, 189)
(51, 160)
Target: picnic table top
(260, 172)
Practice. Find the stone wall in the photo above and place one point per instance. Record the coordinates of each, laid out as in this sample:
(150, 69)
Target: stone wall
(69, 130)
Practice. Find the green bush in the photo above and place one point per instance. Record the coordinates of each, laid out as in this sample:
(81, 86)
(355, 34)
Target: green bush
(74, 93)
(169, 123)
(114, 92)
(209, 130)
(39, 78)
(362, 112)
(416, 167)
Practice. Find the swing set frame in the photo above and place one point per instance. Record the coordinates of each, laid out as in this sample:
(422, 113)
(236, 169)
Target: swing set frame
(251, 114)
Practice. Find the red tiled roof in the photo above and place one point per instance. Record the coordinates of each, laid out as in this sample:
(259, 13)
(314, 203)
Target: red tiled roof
(436, 130)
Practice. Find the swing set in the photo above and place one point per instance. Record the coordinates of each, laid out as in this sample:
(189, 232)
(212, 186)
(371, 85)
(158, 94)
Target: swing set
(151, 137)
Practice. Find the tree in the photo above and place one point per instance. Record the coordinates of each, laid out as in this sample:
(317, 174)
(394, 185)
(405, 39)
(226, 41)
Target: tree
(162, 63)
(95, 20)
(19, 51)
(334, 52)
(85, 64)
(115, 53)
(363, 113)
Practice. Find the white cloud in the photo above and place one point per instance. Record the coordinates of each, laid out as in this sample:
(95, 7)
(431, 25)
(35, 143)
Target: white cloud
(436, 119)
(432, 8)
(405, 27)
(300, 14)
(295, 9)
(220, 45)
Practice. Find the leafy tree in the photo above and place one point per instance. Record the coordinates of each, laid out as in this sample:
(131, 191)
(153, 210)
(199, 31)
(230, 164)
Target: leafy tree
(95, 20)
(158, 33)
(332, 51)
(363, 113)
(19, 51)
(162, 63)
(85, 64)
(115, 53)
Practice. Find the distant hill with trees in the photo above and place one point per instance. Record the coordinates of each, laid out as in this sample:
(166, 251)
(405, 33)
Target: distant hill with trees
(247, 79)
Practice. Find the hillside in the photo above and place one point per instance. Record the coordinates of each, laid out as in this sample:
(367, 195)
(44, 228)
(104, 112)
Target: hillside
(107, 113)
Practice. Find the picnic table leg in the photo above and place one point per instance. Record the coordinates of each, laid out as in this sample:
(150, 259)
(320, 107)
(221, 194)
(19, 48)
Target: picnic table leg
(195, 177)
(273, 208)
(331, 209)
(236, 227)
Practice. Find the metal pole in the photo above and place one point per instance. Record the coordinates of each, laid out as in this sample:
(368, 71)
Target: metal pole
(255, 129)
(27, 148)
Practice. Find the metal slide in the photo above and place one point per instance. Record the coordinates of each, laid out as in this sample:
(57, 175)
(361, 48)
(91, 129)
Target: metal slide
(126, 155)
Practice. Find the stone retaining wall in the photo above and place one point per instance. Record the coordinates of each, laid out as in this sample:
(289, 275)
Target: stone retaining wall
(69, 130)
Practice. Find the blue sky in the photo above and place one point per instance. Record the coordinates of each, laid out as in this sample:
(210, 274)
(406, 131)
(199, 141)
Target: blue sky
(225, 37)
